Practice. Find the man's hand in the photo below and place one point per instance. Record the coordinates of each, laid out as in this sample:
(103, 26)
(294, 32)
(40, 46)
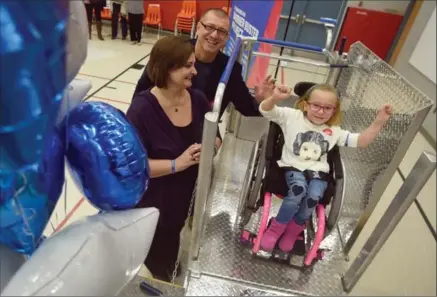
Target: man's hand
(265, 89)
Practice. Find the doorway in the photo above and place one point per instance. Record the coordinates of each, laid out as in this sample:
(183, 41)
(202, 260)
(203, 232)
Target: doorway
(302, 17)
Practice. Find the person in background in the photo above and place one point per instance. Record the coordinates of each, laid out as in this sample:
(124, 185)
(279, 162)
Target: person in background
(169, 120)
(135, 9)
(212, 34)
(97, 6)
(118, 9)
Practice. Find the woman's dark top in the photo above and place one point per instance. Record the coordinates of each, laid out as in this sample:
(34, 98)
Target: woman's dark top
(172, 193)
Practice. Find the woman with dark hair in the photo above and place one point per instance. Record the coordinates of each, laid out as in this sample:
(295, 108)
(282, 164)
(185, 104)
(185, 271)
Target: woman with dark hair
(169, 119)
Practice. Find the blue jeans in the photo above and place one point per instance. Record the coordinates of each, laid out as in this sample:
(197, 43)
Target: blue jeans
(302, 198)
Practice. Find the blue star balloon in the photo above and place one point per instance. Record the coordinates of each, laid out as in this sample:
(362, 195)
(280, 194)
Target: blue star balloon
(105, 155)
(33, 77)
(30, 197)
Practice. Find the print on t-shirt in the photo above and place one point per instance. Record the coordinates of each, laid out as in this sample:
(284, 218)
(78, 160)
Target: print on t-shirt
(310, 146)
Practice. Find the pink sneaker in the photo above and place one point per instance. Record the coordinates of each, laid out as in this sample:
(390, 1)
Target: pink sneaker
(271, 236)
(291, 233)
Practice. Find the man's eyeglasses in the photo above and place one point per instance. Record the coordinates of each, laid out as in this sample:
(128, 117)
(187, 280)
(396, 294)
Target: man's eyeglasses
(211, 29)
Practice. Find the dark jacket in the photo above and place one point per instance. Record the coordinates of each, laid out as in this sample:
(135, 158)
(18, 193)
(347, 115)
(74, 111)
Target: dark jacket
(236, 90)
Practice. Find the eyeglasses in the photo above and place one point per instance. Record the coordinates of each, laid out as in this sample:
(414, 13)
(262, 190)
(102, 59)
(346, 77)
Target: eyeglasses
(210, 29)
(316, 107)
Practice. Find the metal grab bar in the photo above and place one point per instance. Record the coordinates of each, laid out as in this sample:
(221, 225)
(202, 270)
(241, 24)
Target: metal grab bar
(291, 44)
(204, 177)
(329, 21)
(225, 77)
(300, 60)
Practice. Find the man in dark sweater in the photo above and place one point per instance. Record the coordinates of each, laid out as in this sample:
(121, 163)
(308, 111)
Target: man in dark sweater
(212, 35)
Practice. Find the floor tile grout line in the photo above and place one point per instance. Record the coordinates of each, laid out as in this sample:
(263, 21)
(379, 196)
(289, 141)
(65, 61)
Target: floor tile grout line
(99, 77)
(115, 78)
(420, 209)
(69, 215)
(112, 100)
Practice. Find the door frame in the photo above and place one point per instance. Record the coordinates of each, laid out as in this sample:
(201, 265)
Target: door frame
(340, 20)
(403, 31)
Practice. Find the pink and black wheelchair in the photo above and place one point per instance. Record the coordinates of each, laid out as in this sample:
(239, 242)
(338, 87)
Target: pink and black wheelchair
(268, 179)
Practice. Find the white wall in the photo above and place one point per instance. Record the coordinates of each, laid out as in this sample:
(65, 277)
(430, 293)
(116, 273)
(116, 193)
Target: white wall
(399, 6)
(411, 73)
(423, 57)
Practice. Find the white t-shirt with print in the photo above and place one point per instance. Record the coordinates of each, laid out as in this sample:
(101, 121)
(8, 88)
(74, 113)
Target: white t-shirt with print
(306, 145)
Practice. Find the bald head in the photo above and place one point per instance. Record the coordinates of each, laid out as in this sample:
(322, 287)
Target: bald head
(218, 12)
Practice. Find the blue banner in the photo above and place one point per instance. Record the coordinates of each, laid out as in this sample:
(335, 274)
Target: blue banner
(248, 18)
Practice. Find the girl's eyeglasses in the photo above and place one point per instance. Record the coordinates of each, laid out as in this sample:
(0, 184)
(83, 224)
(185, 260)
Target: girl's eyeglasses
(316, 107)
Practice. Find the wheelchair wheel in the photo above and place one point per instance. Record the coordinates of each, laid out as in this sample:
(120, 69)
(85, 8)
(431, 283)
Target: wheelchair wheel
(258, 173)
(255, 180)
(247, 185)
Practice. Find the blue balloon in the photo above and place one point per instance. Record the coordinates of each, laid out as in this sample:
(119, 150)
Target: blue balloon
(52, 169)
(24, 216)
(33, 77)
(105, 155)
(33, 56)
(29, 198)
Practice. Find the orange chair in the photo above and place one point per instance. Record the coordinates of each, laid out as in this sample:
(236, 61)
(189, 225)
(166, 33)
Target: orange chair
(106, 14)
(227, 9)
(186, 18)
(153, 17)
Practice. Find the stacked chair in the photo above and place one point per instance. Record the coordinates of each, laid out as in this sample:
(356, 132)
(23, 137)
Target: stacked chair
(106, 14)
(186, 18)
(227, 9)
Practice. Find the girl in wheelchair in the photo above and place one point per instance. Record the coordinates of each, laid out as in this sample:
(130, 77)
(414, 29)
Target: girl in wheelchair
(310, 132)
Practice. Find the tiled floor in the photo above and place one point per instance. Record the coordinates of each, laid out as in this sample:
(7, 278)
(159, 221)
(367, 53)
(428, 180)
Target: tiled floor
(108, 68)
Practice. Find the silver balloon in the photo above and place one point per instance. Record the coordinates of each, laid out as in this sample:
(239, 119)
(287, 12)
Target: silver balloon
(96, 256)
(77, 38)
(10, 262)
(73, 96)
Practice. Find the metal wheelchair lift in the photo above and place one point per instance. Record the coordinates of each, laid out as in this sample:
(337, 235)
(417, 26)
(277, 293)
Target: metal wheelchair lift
(228, 185)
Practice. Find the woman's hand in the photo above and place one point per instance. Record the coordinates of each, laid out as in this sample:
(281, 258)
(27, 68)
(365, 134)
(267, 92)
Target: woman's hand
(190, 157)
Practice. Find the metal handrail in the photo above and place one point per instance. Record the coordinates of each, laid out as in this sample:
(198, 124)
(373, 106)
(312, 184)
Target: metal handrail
(225, 77)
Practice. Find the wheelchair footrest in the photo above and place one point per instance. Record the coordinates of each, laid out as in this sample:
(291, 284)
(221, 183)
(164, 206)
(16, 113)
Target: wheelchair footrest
(248, 238)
